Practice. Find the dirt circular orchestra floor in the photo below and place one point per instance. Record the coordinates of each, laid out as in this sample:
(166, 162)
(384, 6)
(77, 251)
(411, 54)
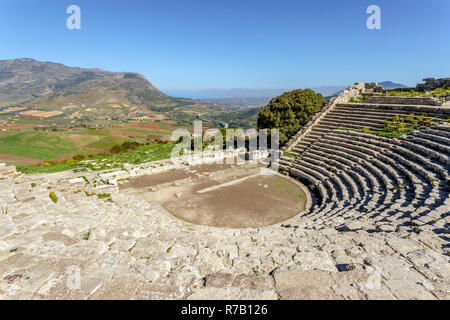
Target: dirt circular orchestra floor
(224, 195)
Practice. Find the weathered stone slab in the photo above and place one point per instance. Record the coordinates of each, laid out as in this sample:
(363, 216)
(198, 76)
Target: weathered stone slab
(219, 280)
(304, 285)
(314, 259)
(254, 282)
(232, 294)
(76, 180)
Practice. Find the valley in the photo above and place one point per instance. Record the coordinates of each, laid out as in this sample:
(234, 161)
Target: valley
(50, 112)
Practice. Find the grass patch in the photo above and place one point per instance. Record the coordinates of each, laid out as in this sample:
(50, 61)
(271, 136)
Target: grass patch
(136, 155)
(359, 99)
(440, 93)
(290, 155)
(53, 197)
(41, 145)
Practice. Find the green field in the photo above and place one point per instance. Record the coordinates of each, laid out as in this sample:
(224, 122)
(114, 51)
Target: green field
(39, 144)
(50, 145)
(145, 153)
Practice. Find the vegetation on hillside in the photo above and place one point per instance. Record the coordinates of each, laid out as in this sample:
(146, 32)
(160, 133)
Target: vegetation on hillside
(116, 157)
(440, 93)
(290, 111)
(56, 86)
(244, 119)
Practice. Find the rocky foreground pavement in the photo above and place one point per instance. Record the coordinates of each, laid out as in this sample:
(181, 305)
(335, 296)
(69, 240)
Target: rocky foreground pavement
(123, 247)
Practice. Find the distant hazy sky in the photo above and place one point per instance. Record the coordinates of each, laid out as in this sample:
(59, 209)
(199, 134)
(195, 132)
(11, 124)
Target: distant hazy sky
(179, 44)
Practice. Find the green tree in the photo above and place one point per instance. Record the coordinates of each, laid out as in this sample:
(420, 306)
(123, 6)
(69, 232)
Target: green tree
(290, 111)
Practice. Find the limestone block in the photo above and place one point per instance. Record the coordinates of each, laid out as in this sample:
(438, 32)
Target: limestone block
(76, 180)
(232, 294)
(304, 285)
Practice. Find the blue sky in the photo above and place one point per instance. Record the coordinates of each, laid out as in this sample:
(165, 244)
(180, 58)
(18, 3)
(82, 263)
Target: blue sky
(202, 44)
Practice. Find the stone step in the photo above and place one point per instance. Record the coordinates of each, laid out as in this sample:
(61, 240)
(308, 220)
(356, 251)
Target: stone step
(335, 178)
(344, 154)
(382, 113)
(425, 149)
(338, 114)
(437, 131)
(417, 158)
(356, 191)
(357, 120)
(330, 125)
(373, 175)
(432, 110)
(437, 141)
(379, 120)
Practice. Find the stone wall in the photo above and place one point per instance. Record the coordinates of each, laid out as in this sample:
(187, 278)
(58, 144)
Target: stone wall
(433, 83)
(353, 91)
(423, 101)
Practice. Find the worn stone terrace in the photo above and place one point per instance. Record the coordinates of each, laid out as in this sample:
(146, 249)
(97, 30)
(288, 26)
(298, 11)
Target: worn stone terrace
(101, 241)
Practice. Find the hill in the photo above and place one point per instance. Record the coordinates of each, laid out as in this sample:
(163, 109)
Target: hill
(250, 102)
(391, 85)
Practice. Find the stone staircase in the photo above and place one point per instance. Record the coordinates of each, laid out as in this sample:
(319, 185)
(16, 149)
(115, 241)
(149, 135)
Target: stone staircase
(363, 115)
(355, 175)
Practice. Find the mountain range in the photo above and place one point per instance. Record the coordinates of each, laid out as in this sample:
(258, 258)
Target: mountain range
(391, 85)
(54, 87)
(46, 89)
(245, 93)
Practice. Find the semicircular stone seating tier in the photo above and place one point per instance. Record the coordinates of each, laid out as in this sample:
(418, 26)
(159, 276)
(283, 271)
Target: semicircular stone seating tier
(357, 175)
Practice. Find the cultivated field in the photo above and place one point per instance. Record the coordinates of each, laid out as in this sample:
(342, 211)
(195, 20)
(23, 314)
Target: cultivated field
(20, 144)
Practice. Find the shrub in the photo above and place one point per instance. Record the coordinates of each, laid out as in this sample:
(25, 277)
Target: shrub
(127, 145)
(104, 195)
(359, 99)
(397, 126)
(401, 124)
(290, 111)
(78, 157)
(289, 154)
